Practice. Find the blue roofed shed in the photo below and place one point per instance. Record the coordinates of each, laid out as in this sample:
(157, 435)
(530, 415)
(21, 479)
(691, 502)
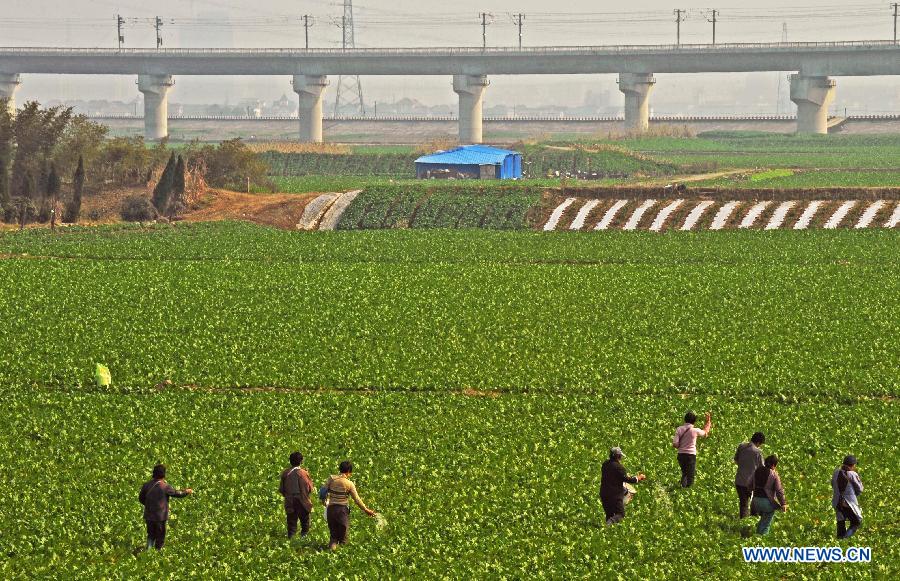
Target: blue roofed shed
(471, 162)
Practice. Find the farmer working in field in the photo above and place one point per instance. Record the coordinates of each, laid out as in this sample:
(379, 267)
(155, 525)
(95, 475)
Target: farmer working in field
(847, 487)
(295, 487)
(613, 494)
(768, 494)
(748, 458)
(155, 496)
(336, 495)
(685, 441)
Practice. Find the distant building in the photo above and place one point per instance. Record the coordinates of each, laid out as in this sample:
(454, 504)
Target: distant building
(471, 162)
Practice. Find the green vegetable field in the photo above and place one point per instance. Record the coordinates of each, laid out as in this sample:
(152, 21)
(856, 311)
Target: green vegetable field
(476, 378)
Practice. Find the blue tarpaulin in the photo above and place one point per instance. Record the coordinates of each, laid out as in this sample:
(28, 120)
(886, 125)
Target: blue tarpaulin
(475, 161)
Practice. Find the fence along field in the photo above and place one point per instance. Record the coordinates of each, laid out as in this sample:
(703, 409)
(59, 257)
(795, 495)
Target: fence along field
(612, 338)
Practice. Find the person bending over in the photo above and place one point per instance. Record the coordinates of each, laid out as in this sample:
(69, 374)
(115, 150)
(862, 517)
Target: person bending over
(336, 495)
(613, 494)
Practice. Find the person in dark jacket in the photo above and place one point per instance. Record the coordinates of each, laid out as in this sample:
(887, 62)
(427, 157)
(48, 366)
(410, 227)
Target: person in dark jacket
(296, 487)
(748, 458)
(155, 496)
(613, 494)
(768, 494)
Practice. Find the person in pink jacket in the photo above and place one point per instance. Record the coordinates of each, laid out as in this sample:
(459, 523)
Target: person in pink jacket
(685, 441)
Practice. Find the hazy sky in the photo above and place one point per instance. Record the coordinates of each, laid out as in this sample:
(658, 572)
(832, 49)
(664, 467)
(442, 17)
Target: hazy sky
(275, 23)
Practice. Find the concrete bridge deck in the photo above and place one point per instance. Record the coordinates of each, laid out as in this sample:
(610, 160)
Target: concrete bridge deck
(852, 58)
(812, 88)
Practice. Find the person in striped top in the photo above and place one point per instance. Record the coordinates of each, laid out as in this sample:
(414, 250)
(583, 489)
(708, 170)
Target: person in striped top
(336, 495)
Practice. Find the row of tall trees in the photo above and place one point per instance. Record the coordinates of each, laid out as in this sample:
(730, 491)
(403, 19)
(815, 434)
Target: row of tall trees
(50, 158)
(37, 148)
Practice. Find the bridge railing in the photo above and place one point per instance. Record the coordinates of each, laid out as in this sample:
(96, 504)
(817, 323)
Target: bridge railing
(494, 119)
(449, 51)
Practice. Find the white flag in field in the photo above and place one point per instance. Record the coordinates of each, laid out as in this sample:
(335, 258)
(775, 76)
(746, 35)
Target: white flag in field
(380, 522)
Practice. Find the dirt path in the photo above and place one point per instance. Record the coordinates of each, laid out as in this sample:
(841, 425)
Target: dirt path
(683, 179)
(278, 210)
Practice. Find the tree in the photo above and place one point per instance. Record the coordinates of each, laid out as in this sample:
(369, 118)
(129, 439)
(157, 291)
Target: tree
(37, 132)
(163, 189)
(177, 203)
(6, 143)
(39, 191)
(231, 164)
(4, 182)
(73, 208)
(24, 203)
(53, 187)
(82, 139)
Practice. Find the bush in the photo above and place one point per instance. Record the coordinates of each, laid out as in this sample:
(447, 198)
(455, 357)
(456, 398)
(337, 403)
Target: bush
(12, 212)
(137, 209)
(230, 165)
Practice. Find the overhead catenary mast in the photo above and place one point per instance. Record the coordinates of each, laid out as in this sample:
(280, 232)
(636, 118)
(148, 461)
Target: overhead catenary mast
(349, 89)
(778, 102)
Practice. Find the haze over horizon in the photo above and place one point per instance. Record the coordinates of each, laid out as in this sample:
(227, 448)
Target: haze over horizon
(276, 23)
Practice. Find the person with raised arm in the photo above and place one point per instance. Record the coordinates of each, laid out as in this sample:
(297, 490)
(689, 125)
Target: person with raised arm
(685, 441)
(613, 494)
(336, 495)
(155, 495)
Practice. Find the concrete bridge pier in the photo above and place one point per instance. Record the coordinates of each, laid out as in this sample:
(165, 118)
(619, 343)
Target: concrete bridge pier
(156, 105)
(637, 88)
(310, 89)
(813, 96)
(470, 89)
(9, 84)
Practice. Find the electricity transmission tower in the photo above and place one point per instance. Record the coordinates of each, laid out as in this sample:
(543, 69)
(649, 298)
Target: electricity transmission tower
(349, 89)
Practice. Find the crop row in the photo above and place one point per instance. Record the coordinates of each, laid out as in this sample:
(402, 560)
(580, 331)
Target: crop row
(236, 305)
(353, 164)
(459, 480)
(430, 206)
(538, 162)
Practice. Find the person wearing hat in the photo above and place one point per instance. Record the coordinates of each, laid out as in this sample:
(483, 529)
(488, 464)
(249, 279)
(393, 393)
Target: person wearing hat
(155, 496)
(847, 487)
(613, 494)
